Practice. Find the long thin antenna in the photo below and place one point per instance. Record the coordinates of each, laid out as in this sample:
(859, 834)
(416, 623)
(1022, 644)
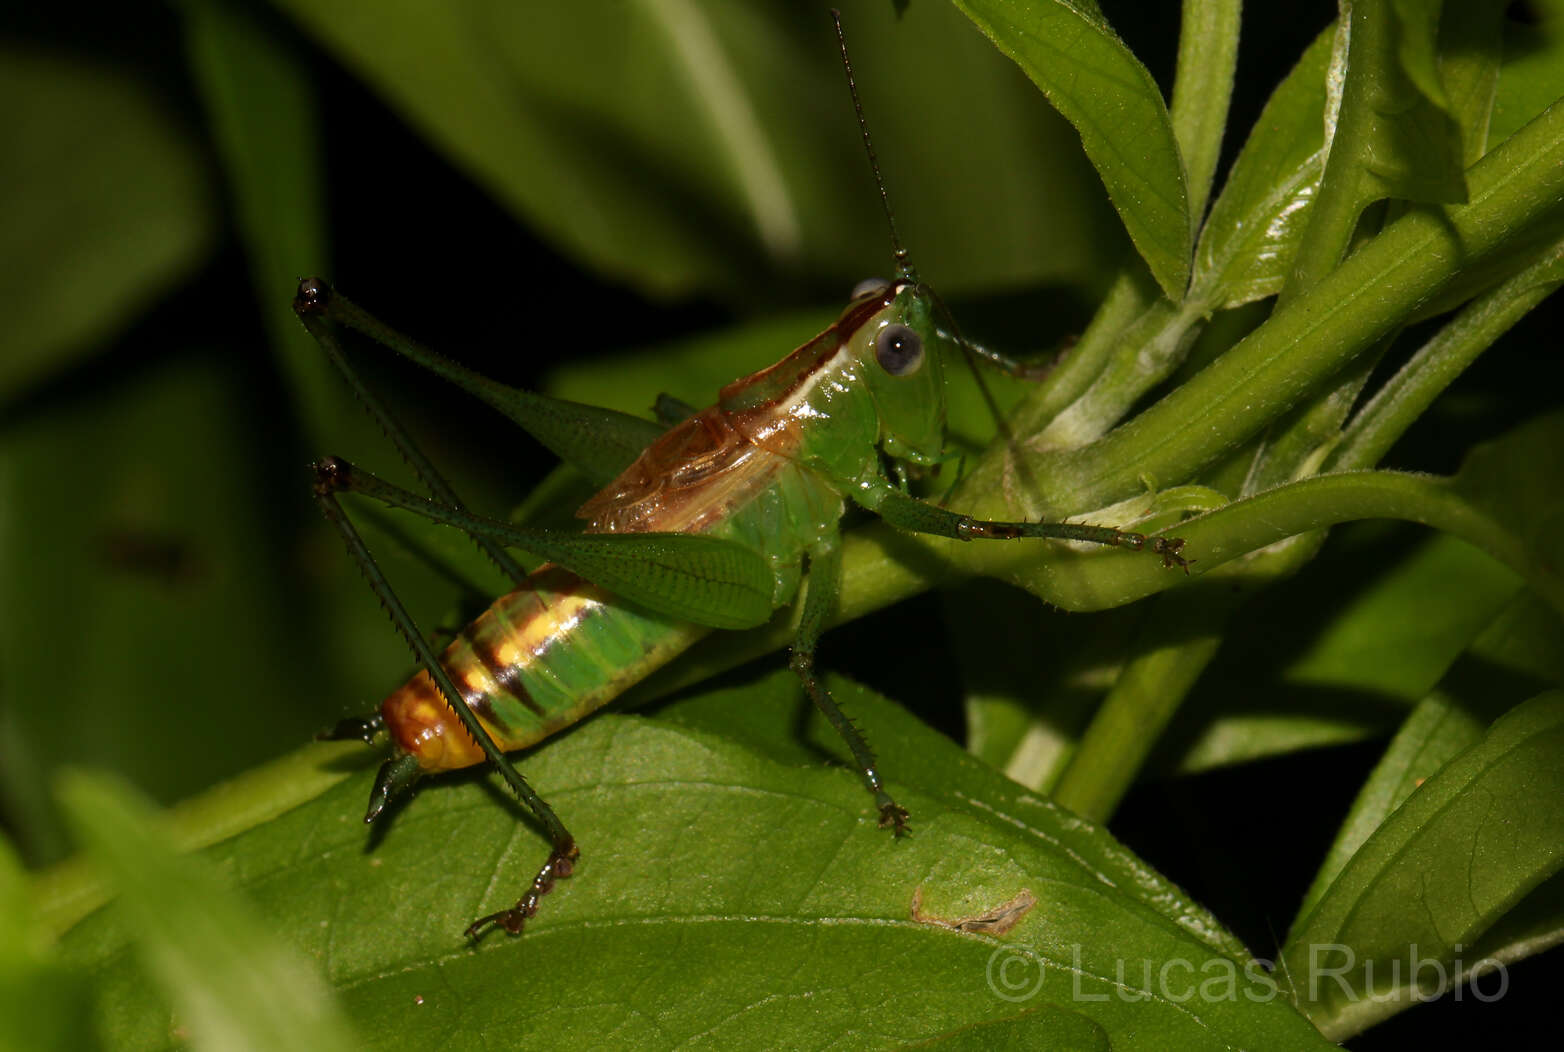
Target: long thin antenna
(903, 263)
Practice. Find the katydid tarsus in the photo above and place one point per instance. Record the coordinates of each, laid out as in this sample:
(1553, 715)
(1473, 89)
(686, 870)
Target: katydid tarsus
(712, 525)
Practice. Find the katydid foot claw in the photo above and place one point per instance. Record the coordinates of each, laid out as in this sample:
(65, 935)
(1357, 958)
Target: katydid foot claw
(894, 817)
(1168, 548)
(560, 864)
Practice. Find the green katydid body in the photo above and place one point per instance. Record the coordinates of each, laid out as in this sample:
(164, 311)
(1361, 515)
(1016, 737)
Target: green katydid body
(712, 526)
(769, 467)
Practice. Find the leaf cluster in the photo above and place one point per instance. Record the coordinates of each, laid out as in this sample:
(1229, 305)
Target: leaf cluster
(1281, 285)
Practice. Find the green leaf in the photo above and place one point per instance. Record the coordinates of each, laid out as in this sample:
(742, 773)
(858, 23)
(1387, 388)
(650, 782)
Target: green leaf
(1342, 652)
(262, 111)
(42, 1004)
(1531, 78)
(1247, 244)
(1373, 293)
(1203, 91)
(1471, 45)
(1477, 690)
(1392, 134)
(697, 145)
(1514, 479)
(688, 882)
(1397, 636)
(104, 205)
(1396, 127)
(1447, 721)
(1070, 52)
(1032, 676)
(1468, 845)
(1534, 925)
(233, 982)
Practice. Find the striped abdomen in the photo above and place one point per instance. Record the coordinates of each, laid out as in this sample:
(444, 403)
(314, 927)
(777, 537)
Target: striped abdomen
(539, 659)
(557, 648)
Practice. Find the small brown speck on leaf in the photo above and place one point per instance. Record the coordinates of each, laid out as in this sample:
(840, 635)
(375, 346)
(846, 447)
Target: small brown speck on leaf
(996, 921)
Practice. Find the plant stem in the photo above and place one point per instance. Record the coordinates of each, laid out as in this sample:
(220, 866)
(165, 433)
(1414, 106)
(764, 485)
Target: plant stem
(1178, 640)
(1516, 189)
(1405, 396)
(1131, 294)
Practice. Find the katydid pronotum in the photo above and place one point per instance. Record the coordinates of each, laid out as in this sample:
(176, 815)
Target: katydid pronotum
(711, 526)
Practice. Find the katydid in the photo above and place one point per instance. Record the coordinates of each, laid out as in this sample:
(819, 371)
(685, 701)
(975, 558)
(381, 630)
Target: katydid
(712, 525)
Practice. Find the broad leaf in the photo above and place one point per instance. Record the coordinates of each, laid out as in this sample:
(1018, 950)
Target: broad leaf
(688, 883)
(162, 587)
(1468, 845)
(1450, 719)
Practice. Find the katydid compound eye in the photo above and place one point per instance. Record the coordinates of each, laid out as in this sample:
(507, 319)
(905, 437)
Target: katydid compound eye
(898, 349)
(868, 287)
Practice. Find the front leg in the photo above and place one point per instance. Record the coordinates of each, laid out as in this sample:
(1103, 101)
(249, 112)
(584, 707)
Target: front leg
(825, 571)
(915, 516)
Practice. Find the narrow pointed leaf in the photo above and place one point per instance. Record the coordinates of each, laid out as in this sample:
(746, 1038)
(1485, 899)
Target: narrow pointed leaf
(1247, 244)
(1471, 44)
(1450, 719)
(262, 111)
(1531, 78)
(1408, 144)
(1071, 53)
(233, 982)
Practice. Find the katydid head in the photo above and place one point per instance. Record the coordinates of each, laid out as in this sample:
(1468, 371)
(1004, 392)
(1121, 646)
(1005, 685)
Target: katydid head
(899, 346)
(900, 351)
